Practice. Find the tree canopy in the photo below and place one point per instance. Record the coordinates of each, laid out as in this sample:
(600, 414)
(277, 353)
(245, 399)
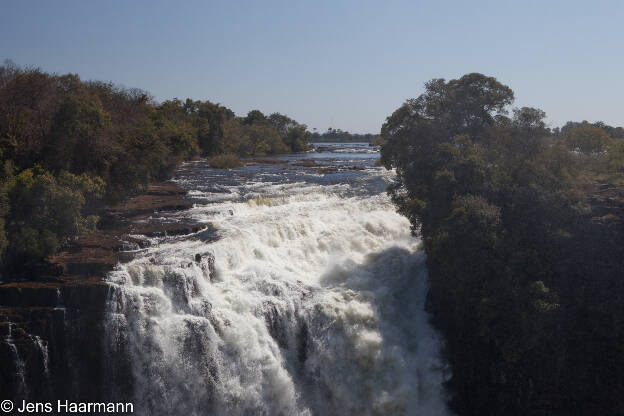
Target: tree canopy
(497, 199)
(68, 147)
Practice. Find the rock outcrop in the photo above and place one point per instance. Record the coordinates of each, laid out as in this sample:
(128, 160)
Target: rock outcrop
(52, 324)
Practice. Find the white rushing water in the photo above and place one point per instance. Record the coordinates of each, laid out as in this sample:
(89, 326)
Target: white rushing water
(314, 306)
(20, 366)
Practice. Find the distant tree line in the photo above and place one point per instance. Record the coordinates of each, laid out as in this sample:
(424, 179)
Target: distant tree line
(69, 147)
(526, 284)
(337, 135)
(613, 132)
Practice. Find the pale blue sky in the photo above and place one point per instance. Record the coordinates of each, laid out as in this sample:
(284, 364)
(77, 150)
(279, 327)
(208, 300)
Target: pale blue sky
(341, 64)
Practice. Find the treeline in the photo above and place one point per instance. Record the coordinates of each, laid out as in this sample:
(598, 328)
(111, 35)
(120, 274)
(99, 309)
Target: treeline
(337, 135)
(613, 132)
(69, 147)
(525, 286)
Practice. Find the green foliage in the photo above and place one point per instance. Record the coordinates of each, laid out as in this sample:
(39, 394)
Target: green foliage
(587, 140)
(257, 135)
(225, 161)
(6, 175)
(296, 138)
(613, 132)
(496, 201)
(282, 123)
(74, 130)
(613, 160)
(254, 117)
(46, 209)
(90, 143)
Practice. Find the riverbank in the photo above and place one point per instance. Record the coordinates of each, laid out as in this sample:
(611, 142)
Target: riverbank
(51, 322)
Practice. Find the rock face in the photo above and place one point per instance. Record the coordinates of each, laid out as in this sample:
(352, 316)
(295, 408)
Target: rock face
(606, 203)
(52, 325)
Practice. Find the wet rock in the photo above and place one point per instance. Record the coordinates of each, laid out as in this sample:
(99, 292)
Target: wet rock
(302, 343)
(206, 261)
(306, 163)
(207, 234)
(28, 294)
(322, 149)
(52, 322)
(276, 325)
(159, 197)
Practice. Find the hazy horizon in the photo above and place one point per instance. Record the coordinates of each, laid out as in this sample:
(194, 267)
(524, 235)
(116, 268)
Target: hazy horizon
(344, 65)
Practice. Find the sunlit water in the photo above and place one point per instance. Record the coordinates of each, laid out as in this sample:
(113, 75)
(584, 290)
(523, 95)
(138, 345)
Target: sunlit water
(308, 301)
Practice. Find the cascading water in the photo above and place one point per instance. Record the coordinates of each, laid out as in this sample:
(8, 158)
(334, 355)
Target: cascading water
(309, 300)
(19, 373)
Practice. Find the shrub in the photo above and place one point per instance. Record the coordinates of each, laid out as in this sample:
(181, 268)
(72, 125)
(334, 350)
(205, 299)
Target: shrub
(225, 161)
(46, 210)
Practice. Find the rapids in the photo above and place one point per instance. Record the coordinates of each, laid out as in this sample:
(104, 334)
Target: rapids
(304, 296)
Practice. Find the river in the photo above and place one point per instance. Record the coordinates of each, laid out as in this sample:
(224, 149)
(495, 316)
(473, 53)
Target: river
(304, 295)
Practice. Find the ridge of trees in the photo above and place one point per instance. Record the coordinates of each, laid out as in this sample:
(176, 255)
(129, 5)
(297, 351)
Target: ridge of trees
(338, 135)
(69, 147)
(526, 289)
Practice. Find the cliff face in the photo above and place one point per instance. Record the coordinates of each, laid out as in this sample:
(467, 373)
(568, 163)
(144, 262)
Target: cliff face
(52, 326)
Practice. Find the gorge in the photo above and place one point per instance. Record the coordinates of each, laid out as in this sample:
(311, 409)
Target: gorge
(295, 289)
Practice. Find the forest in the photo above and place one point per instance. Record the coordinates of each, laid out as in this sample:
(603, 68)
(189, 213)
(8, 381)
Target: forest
(522, 226)
(69, 147)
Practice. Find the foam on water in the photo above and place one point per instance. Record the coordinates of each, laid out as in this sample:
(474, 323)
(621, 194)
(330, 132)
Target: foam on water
(310, 302)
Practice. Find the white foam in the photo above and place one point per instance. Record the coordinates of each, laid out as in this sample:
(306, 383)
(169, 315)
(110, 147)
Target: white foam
(315, 306)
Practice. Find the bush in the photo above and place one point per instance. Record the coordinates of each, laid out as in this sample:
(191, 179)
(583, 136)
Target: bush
(225, 161)
(46, 210)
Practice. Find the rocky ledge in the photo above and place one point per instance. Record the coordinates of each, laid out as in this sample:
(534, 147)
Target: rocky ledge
(51, 323)
(606, 203)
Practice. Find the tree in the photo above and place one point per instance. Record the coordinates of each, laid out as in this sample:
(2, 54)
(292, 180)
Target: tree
(282, 123)
(45, 210)
(56, 128)
(297, 138)
(211, 123)
(488, 196)
(431, 142)
(587, 140)
(74, 133)
(254, 117)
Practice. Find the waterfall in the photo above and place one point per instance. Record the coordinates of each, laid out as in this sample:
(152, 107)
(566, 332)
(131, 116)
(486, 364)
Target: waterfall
(309, 302)
(19, 365)
(42, 346)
